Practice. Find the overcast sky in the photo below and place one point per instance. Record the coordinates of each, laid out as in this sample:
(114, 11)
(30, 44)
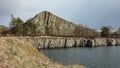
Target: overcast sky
(91, 13)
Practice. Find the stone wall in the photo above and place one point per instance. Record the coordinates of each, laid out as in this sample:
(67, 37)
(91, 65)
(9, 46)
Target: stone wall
(63, 42)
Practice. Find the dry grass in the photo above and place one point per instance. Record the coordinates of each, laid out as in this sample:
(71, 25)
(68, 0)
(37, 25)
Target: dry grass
(15, 53)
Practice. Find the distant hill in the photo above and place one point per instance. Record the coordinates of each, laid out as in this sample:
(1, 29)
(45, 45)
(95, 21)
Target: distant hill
(48, 23)
(117, 33)
(3, 29)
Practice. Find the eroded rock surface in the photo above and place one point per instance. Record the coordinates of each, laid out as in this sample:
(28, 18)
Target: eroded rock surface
(61, 42)
(50, 24)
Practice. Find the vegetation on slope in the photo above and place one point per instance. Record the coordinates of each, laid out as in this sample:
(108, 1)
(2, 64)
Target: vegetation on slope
(18, 27)
(15, 53)
(3, 29)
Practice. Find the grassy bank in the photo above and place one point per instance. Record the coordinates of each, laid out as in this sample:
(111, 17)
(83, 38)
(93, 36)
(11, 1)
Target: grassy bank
(15, 53)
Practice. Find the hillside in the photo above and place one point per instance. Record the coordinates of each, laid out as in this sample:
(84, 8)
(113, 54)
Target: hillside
(117, 33)
(3, 29)
(15, 53)
(48, 23)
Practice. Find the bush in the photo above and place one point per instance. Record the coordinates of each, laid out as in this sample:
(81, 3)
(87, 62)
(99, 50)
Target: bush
(105, 31)
(16, 26)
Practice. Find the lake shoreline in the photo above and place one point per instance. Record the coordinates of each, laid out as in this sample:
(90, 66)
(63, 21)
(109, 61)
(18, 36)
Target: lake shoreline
(17, 53)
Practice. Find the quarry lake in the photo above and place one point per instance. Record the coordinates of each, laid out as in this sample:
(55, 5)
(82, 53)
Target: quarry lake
(91, 57)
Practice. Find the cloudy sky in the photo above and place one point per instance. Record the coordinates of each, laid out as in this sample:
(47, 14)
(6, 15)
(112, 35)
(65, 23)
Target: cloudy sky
(91, 13)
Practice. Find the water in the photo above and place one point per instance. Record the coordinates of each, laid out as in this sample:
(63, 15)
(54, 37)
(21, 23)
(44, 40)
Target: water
(96, 57)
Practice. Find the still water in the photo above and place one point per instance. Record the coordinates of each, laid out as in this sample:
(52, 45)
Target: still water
(95, 57)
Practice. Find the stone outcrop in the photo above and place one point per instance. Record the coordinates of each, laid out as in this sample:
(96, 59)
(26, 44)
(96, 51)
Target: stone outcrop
(47, 23)
(50, 24)
(63, 42)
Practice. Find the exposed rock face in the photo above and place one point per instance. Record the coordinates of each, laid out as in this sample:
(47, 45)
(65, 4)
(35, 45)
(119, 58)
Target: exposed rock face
(48, 23)
(58, 42)
(100, 42)
(70, 42)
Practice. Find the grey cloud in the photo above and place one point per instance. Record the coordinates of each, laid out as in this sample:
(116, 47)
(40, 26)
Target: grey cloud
(7, 7)
(101, 13)
(93, 13)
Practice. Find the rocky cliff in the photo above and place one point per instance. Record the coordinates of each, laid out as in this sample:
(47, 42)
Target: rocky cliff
(58, 42)
(48, 23)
